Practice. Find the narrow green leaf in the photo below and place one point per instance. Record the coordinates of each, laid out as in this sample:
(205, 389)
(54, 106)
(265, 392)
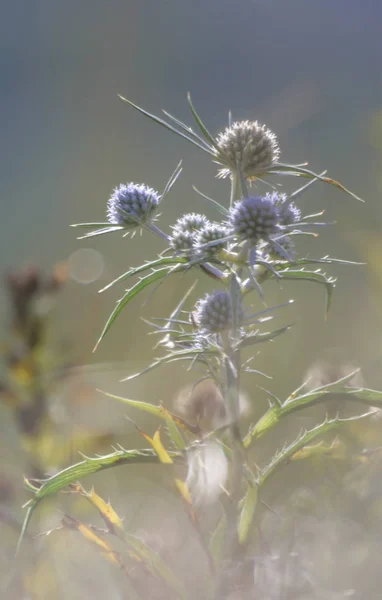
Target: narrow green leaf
(295, 169)
(159, 262)
(130, 294)
(110, 229)
(210, 139)
(247, 513)
(166, 125)
(220, 207)
(171, 182)
(90, 225)
(266, 422)
(158, 411)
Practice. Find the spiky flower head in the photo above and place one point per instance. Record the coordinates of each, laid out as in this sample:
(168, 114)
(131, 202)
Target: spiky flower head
(289, 213)
(191, 222)
(132, 205)
(213, 313)
(209, 234)
(184, 231)
(182, 241)
(254, 219)
(249, 145)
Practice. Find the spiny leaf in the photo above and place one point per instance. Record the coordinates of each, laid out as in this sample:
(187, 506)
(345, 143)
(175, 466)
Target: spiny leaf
(160, 262)
(320, 449)
(130, 294)
(298, 401)
(71, 474)
(302, 440)
(257, 338)
(247, 513)
(112, 520)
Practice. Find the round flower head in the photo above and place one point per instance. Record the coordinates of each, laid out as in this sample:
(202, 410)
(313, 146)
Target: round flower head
(254, 219)
(250, 145)
(191, 222)
(213, 313)
(209, 234)
(132, 205)
(182, 241)
(289, 213)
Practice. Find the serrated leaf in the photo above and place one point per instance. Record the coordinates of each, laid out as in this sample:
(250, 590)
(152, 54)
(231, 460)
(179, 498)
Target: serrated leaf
(71, 474)
(130, 294)
(298, 401)
(247, 513)
(112, 520)
(160, 262)
(286, 453)
(257, 338)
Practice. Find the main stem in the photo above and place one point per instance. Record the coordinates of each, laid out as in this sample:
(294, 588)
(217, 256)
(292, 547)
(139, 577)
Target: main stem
(231, 383)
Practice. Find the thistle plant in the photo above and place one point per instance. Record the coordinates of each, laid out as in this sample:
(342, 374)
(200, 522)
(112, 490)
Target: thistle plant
(250, 242)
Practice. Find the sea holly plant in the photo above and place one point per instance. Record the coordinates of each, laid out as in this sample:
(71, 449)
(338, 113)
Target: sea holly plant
(251, 241)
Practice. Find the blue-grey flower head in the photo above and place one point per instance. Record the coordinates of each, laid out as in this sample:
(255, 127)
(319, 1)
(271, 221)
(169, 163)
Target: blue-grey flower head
(250, 145)
(289, 213)
(210, 233)
(132, 205)
(254, 219)
(191, 222)
(213, 313)
(182, 241)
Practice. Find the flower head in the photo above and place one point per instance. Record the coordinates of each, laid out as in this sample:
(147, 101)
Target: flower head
(289, 213)
(210, 233)
(182, 241)
(254, 219)
(213, 313)
(191, 222)
(249, 145)
(132, 205)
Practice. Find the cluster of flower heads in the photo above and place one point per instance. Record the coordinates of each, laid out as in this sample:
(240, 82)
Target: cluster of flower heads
(261, 221)
(195, 234)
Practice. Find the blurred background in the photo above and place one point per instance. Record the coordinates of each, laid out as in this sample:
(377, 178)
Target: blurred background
(309, 70)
